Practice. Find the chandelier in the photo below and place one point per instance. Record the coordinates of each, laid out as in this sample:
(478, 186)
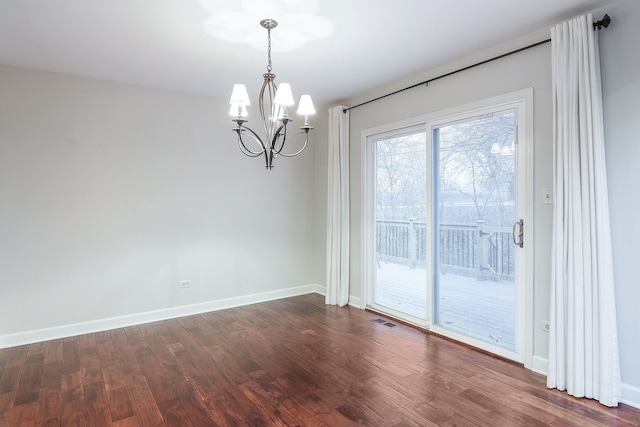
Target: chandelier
(273, 103)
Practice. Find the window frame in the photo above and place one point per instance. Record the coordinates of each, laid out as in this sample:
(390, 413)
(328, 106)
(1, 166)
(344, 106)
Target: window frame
(524, 98)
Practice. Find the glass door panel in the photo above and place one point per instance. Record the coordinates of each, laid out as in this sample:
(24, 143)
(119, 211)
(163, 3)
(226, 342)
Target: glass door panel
(400, 206)
(474, 202)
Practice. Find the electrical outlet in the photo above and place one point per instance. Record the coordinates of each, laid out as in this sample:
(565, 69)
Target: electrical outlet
(545, 326)
(185, 284)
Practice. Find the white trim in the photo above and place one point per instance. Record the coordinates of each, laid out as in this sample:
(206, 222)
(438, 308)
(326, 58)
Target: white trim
(319, 289)
(452, 113)
(529, 249)
(356, 302)
(368, 255)
(630, 395)
(39, 335)
(539, 365)
(521, 99)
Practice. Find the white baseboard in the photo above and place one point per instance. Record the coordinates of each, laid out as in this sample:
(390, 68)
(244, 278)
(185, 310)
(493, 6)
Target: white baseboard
(355, 302)
(540, 365)
(631, 395)
(29, 337)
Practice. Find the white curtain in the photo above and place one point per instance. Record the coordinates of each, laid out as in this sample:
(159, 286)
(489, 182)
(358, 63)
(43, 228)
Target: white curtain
(338, 208)
(583, 341)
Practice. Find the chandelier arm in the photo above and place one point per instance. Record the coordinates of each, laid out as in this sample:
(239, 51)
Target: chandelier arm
(268, 154)
(245, 150)
(279, 134)
(306, 141)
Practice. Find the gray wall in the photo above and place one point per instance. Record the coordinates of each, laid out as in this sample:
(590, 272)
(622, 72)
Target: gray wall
(621, 85)
(620, 66)
(111, 194)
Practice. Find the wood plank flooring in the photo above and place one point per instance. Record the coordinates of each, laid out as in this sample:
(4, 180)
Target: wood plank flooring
(291, 362)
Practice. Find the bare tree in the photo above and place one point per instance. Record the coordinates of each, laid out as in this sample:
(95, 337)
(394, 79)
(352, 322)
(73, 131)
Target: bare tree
(475, 164)
(400, 177)
(475, 179)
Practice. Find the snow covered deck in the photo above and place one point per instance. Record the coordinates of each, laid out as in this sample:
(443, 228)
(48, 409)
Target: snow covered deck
(482, 309)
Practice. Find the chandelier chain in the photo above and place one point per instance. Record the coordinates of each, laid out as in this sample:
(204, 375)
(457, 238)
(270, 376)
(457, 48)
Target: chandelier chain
(269, 49)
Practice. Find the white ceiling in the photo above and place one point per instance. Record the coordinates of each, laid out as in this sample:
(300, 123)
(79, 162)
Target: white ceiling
(161, 43)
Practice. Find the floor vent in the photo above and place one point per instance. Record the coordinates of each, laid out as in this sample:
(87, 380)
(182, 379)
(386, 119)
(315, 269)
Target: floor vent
(384, 322)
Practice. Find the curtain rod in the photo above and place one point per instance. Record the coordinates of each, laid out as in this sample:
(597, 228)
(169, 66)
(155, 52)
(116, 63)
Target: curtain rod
(604, 22)
(426, 82)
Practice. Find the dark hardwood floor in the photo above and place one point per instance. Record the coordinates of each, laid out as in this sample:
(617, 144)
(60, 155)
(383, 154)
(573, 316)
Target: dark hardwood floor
(290, 362)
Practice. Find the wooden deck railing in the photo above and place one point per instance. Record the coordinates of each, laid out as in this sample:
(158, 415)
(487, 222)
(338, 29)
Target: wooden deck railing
(465, 249)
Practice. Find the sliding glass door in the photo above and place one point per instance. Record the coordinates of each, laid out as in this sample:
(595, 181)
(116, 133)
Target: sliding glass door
(443, 226)
(400, 224)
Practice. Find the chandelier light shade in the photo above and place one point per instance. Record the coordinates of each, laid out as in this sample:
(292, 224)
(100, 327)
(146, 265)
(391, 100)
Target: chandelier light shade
(273, 103)
(284, 96)
(239, 96)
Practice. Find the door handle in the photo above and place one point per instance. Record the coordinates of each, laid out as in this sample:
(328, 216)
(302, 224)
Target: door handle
(518, 239)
